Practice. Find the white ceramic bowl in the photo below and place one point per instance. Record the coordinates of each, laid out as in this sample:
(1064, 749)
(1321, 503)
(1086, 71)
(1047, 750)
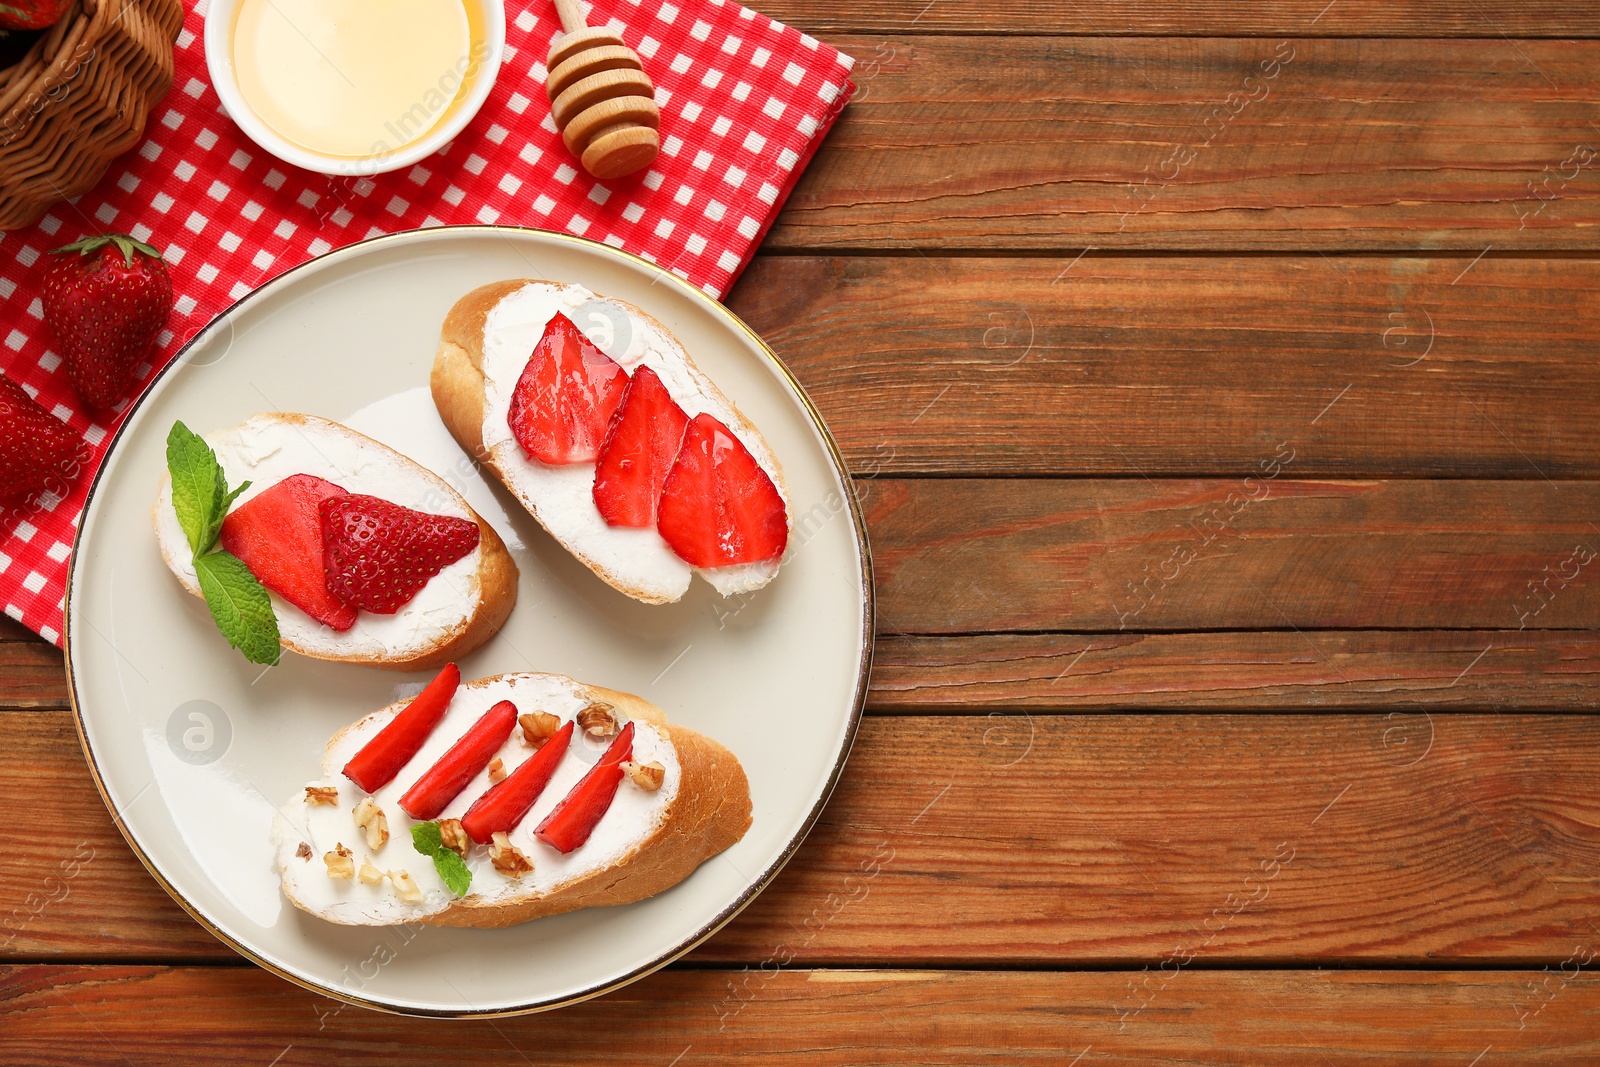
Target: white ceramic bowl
(220, 18)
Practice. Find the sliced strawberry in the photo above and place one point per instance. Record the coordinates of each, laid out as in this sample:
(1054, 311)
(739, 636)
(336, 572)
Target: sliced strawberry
(641, 444)
(387, 754)
(378, 555)
(505, 804)
(574, 819)
(718, 507)
(466, 759)
(278, 535)
(566, 396)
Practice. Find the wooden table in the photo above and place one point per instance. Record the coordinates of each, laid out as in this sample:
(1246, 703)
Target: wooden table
(1221, 381)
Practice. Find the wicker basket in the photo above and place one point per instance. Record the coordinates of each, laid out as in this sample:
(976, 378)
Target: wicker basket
(79, 99)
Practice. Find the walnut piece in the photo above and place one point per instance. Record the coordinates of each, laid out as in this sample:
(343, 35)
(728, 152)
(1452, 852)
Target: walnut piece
(371, 818)
(507, 858)
(454, 837)
(647, 776)
(303, 850)
(596, 720)
(368, 874)
(339, 861)
(322, 794)
(405, 887)
(538, 727)
(497, 770)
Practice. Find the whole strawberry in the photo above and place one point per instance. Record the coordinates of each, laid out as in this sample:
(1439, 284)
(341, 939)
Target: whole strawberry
(32, 14)
(106, 299)
(37, 450)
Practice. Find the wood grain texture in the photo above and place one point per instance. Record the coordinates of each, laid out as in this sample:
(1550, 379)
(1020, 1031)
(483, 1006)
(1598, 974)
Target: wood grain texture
(1061, 840)
(31, 675)
(12, 630)
(1203, 18)
(1552, 670)
(978, 555)
(58, 1016)
(1214, 144)
(1156, 365)
(973, 556)
(1528, 670)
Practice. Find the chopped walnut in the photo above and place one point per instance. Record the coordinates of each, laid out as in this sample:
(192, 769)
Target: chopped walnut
(647, 776)
(596, 720)
(497, 770)
(507, 858)
(538, 727)
(322, 794)
(405, 887)
(368, 874)
(371, 818)
(454, 837)
(303, 850)
(340, 862)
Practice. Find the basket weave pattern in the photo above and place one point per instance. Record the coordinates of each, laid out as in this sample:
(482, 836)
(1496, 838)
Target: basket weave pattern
(80, 98)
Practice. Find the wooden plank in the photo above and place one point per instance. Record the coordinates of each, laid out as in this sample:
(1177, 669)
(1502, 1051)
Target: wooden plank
(1528, 670)
(82, 892)
(12, 630)
(1547, 670)
(1193, 365)
(1043, 839)
(31, 671)
(1205, 143)
(965, 556)
(1107, 838)
(980, 555)
(1201, 18)
(56, 1016)
(31, 675)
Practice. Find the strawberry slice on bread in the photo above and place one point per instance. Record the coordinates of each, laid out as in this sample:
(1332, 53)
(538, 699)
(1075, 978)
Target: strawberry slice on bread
(378, 555)
(566, 396)
(611, 511)
(718, 507)
(439, 573)
(568, 828)
(645, 437)
(278, 534)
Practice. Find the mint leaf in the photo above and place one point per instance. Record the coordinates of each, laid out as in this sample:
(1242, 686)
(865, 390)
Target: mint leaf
(227, 501)
(453, 869)
(240, 606)
(426, 839)
(238, 601)
(198, 487)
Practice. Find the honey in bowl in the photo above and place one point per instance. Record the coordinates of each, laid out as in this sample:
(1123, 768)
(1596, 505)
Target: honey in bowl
(355, 78)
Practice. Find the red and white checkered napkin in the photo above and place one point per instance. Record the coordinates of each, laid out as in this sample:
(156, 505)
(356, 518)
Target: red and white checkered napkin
(744, 103)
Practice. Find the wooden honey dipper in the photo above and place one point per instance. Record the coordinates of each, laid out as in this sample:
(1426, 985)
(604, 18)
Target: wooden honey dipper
(601, 99)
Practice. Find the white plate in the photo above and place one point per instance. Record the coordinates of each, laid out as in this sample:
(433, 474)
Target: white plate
(193, 747)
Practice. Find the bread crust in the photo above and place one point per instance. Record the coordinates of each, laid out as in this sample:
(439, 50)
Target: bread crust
(457, 384)
(709, 814)
(497, 573)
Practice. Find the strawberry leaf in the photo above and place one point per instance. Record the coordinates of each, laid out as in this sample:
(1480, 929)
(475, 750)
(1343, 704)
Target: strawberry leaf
(427, 839)
(125, 244)
(240, 606)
